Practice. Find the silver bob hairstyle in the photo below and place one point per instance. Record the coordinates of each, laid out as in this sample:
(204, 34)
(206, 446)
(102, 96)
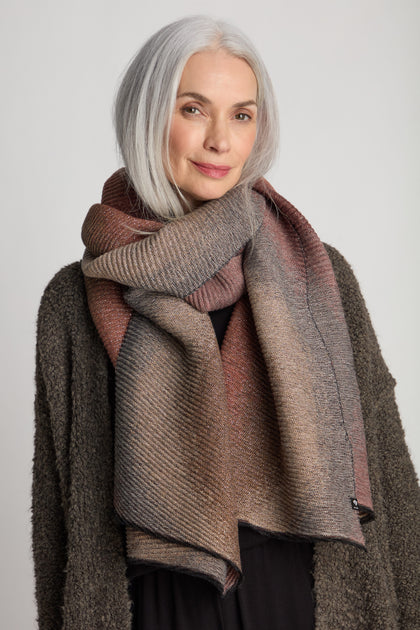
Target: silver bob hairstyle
(146, 98)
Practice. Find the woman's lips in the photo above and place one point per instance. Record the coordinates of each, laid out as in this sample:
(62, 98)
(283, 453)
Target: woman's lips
(212, 170)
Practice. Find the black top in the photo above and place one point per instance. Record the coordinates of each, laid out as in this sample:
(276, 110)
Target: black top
(275, 594)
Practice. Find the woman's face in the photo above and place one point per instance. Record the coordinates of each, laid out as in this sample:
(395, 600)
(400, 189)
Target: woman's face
(213, 125)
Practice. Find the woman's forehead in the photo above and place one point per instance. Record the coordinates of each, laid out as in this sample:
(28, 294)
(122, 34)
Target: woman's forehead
(213, 74)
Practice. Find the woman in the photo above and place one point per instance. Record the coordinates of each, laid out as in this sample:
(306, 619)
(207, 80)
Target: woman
(217, 442)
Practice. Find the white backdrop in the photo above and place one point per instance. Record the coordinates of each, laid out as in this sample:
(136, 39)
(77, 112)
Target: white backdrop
(347, 80)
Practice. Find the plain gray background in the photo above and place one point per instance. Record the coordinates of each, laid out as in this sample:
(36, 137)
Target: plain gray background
(347, 79)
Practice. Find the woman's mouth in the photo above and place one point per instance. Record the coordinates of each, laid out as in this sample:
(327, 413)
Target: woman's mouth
(212, 170)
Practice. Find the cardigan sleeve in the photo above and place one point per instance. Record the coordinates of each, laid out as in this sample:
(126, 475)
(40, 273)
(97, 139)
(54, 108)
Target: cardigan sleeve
(48, 485)
(78, 545)
(400, 506)
(389, 574)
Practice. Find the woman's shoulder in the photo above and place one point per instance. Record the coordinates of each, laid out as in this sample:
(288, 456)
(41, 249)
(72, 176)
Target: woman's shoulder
(366, 350)
(351, 296)
(343, 271)
(66, 336)
(63, 304)
(67, 282)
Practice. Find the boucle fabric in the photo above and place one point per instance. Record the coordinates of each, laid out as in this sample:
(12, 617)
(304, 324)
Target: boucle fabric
(269, 431)
(78, 545)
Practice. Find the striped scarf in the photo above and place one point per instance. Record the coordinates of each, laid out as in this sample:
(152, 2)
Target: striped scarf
(268, 429)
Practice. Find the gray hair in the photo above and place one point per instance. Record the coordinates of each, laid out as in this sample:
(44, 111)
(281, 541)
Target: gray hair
(146, 99)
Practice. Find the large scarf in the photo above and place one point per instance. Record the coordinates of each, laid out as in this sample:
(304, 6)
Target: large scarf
(266, 430)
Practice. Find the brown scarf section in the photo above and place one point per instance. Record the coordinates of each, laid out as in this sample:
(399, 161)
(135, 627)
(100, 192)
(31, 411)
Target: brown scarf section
(268, 430)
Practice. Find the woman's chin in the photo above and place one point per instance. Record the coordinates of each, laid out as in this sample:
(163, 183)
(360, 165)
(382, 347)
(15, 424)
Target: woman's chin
(213, 190)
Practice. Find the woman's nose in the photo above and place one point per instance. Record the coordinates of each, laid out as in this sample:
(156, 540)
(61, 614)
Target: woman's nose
(217, 137)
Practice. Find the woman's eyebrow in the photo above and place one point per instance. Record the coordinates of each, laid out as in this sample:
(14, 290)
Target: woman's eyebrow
(196, 95)
(200, 97)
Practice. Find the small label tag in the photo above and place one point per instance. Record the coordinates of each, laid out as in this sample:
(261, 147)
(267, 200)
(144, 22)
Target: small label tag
(354, 504)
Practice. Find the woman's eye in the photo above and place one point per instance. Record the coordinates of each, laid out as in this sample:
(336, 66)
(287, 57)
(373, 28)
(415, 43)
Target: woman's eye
(190, 109)
(242, 116)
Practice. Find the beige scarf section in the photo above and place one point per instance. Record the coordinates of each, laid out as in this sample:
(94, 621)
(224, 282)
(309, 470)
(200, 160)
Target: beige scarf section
(268, 429)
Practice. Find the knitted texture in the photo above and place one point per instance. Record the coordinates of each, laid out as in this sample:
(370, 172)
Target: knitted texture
(78, 545)
(269, 431)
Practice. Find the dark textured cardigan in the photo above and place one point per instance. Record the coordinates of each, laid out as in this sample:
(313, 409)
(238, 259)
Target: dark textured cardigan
(78, 545)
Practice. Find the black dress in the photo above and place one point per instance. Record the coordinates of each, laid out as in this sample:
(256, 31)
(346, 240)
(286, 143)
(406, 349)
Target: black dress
(275, 594)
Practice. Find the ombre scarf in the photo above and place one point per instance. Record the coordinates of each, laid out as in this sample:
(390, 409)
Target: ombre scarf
(268, 429)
